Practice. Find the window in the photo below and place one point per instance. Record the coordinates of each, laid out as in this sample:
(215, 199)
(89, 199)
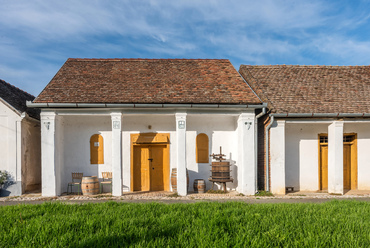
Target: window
(202, 153)
(96, 149)
(323, 139)
(348, 138)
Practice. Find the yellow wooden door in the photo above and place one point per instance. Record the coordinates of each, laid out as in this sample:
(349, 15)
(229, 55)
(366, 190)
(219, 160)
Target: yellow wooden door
(347, 166)
(156, 167)
(323, 167)
(201, 150)
(96, 149)
(141, 168)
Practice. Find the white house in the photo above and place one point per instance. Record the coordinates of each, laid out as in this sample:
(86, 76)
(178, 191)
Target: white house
(19, 141)
(317, 131)
(139, 118)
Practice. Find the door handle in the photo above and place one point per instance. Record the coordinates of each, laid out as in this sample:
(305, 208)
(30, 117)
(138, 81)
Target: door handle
(150, 159)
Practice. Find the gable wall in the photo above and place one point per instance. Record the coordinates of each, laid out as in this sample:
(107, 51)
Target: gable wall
(10, 152)
(8, 143)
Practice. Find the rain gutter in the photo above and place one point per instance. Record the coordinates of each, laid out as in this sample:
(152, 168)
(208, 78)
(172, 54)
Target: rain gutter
(140, 105)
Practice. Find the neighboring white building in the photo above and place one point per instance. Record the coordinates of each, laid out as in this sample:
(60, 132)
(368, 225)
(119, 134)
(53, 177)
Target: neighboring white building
(20, 153)
(318, 127)
(139, 118)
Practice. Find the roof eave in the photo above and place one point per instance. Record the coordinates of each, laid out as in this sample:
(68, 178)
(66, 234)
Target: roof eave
(140, 105)
(320, 115)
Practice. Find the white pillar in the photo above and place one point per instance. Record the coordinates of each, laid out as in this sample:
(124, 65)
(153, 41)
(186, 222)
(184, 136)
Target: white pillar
(277, 155)
(48, 154)
(335, 157)
(116, 153)
(182, 188)
(247, 154)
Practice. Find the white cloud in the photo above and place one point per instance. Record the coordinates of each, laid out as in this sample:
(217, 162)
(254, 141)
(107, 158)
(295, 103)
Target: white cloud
(40, 35)
(343, 50)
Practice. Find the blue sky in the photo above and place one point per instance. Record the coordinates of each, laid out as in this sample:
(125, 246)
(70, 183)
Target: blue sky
(37, 37)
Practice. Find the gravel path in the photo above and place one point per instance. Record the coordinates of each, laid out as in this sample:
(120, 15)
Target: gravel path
(168, 197)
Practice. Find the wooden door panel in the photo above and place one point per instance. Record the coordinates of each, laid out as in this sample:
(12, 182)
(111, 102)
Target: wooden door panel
(145, 186)
(141, 168)
(347, 166)
(324, 167)
(137, 168)
(156, 167)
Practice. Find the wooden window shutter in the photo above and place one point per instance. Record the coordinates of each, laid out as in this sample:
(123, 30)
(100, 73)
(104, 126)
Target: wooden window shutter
(96, 149)
(202, 153)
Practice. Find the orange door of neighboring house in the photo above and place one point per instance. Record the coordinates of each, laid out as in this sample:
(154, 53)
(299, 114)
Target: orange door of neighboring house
(349, 162)
(347, 166)
(324, 167)
(149, 167)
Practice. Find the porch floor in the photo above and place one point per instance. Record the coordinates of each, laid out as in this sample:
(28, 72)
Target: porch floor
(170, 197)
(353, 192)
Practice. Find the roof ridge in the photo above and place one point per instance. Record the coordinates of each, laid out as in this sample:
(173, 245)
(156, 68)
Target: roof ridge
(254, 84)
(140, 59)
(305, 66)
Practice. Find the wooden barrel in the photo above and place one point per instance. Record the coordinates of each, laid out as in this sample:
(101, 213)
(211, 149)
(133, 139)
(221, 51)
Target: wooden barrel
(90, 185)
(199, 186)
(174, 179)
(221, 171)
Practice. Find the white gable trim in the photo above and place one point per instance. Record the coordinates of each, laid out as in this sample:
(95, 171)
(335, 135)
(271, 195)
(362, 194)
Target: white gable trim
(10, 106)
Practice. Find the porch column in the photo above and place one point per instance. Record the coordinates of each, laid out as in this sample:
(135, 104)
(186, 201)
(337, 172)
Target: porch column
(48, 154)
(182, 187)
(335, 157)
(277, 155)
(116, 153)
(247, 154)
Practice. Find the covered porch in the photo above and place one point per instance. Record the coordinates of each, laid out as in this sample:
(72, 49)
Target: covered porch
(132, 139)
(320, 155)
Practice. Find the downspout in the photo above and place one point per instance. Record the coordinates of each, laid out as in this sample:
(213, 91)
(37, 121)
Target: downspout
(256, 147)
(267, 152)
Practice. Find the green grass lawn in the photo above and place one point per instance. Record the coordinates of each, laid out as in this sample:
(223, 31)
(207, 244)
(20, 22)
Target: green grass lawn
(204, 224)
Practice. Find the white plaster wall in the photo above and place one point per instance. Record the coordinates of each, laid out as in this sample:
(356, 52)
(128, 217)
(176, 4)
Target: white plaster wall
(74, 133)
(8, 141)
(302, 159)
(363, 152)
(221, 131)
(60, 167)
(278, 157)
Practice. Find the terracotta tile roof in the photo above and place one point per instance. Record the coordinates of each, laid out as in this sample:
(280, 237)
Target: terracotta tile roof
(201, 81)
(311, 89)
(17, 98)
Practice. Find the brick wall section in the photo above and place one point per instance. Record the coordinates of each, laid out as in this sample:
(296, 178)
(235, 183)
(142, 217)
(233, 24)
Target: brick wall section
(261, 157)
